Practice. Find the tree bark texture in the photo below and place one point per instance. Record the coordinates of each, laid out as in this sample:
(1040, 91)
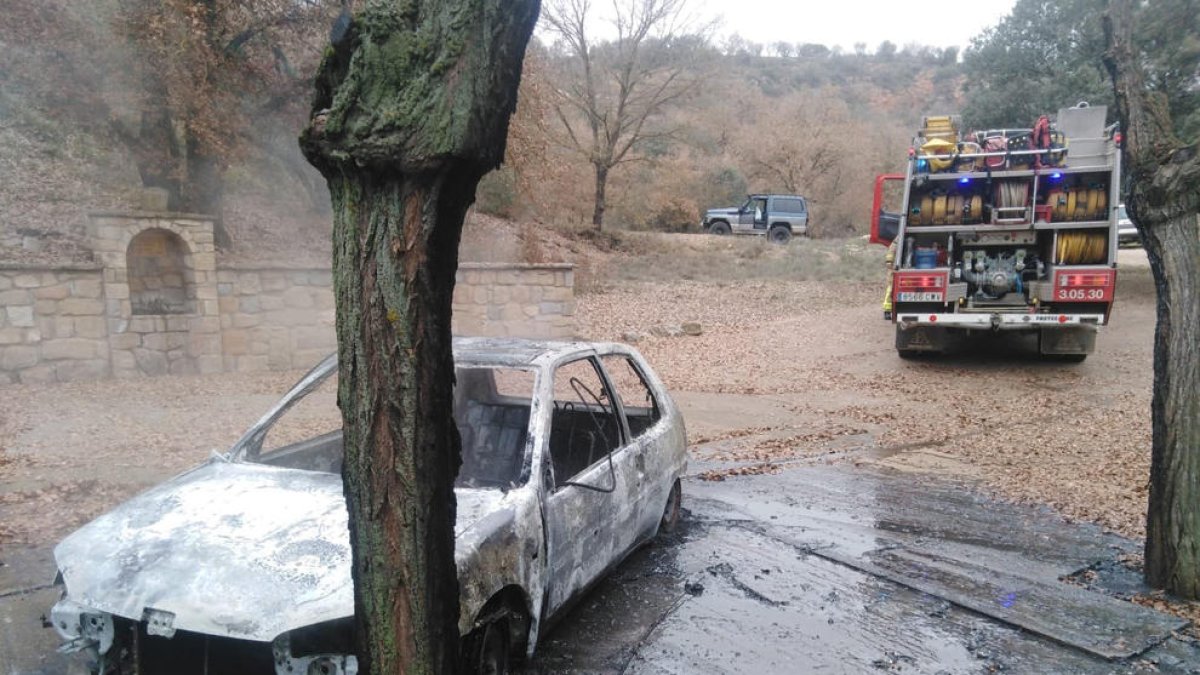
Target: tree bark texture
(599, 200)
(412, 108)
(1163, 175)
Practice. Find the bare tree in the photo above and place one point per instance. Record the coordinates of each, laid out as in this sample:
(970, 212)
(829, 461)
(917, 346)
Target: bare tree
(412, 108)
(606, 103)
(1164, 202)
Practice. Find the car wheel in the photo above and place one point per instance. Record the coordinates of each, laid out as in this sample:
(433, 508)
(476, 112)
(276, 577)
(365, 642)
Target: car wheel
(719, 228)
(670, 516)
(779, 235)
(907, 354)
(1070, 358)
(490, 648)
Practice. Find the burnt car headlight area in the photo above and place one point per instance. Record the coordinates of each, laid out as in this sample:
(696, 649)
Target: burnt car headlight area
(119, 646)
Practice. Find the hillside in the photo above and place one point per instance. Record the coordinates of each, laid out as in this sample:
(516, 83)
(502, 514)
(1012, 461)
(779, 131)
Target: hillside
(75, 137)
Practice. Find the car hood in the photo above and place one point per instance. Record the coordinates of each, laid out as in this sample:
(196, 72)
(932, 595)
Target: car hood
(234, 549)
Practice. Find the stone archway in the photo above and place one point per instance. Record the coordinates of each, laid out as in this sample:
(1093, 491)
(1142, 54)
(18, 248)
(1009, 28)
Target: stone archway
(160, 290)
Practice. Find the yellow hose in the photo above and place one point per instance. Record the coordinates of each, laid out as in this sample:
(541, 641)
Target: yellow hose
(1081, 248)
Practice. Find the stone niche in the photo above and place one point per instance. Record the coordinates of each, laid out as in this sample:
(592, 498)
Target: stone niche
(160, 273)
(160, 290)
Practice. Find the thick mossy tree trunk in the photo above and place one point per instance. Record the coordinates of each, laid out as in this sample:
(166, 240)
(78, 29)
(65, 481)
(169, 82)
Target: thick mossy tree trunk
(1164, 201)
(412, 108)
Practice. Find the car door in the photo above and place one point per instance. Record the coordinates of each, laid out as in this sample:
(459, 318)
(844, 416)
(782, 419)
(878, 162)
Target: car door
(644, 459)
(586, 483)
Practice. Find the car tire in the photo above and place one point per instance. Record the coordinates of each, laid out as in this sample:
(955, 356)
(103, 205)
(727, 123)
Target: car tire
(670, 516)
(1070, 358)
(779, 235)
(907, 354)
(719, 228)
(490, 647)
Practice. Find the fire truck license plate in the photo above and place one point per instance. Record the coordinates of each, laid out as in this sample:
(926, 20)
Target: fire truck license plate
(911, 296)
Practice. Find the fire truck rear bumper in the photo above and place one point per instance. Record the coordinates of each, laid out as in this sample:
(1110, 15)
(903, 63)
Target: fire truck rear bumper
(998, 321)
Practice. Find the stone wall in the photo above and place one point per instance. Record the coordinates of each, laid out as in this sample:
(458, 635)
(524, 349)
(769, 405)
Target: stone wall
(52, 324)
(79, 321)
(515, 300)
(275, 318)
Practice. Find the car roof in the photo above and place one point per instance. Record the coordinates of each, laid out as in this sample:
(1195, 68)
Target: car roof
(519, 352)
(778, 195)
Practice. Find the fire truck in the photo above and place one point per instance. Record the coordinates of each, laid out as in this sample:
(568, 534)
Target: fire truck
(1003, 230)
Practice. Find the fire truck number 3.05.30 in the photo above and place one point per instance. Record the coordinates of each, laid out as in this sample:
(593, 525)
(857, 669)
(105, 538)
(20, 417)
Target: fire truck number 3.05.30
(1082, 293)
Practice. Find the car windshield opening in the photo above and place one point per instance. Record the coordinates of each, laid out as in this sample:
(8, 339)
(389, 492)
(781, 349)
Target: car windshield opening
(492, 407)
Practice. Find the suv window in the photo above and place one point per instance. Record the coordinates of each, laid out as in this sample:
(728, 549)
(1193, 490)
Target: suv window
(584, 426)
(790, 205)
(638, 402)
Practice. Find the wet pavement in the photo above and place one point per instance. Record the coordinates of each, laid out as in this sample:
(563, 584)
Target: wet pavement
(845, 569)
(822, 568)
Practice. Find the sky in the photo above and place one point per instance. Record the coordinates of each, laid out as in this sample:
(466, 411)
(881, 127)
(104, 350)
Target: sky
(937, 23)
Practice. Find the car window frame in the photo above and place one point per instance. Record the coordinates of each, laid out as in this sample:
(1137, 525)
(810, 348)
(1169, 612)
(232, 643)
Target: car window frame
(620, 402)
(623, 442)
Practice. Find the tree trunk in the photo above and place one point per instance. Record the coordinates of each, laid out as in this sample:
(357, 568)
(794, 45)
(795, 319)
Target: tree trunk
(204, 191)
(411, 110)
(1164, 202)
(598, 204)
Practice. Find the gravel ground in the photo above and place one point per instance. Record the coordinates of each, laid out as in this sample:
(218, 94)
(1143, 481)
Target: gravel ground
(782, 371)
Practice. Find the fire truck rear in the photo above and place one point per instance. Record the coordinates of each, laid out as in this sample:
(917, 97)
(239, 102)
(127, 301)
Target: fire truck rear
(1003, 230)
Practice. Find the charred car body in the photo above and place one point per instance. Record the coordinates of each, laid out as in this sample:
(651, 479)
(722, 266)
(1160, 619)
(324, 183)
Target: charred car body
(572, 455)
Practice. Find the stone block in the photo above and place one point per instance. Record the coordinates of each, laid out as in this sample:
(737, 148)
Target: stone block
(224, 288)
(124, 340)
(248, 304)
(204, 291)
(290, 317)
(273, 281)
(73, 371)
(235, 343)
(150, 362)
(90, 327)
(204, 345)
(87, 288)
(314, 338)
(227, 276)
(323, 299)
(270, 302)
(175, 323)
(248, 283)
(5, 282)
(20, 316)
(322, 278)
(42, 374)
(245, 320)
(156, 341)
(81, 306)
(208, 364)
(177, 341)
(227, 304)
(11, 336)
(71, 348)
(558, 293)
(547, 308)
(204, 260)
(253, 364)
(124, 361)
(55, 292)
(183, 366)
(18, 357)
(27, 281)
(206, 324)
(298, 298)
(15, 297)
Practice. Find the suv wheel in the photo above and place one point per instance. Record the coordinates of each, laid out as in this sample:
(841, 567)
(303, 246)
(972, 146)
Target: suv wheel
(720, 227)
(779, 235)
(488, 650)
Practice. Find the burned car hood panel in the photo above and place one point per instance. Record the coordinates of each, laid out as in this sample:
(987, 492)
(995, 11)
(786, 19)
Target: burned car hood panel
(234, 549)
(240, 550)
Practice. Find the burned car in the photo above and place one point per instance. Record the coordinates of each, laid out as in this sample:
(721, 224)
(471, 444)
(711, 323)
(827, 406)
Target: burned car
(572, 458)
